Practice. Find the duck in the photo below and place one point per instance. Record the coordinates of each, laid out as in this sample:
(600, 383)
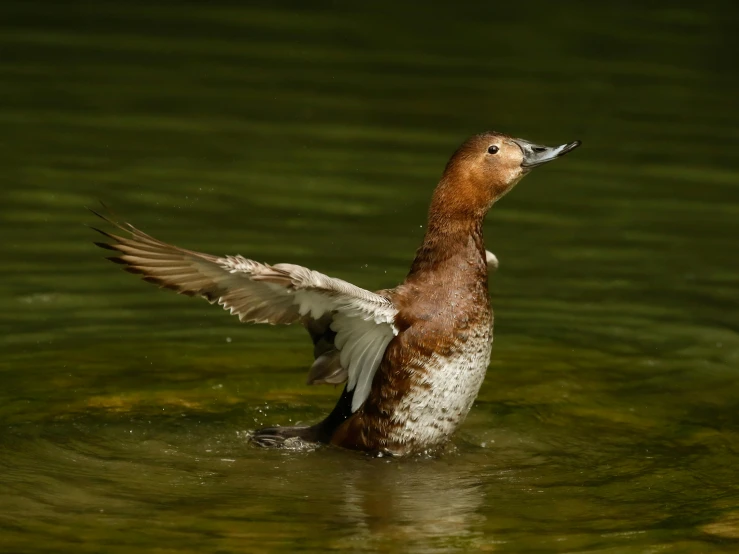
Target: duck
(411, 359)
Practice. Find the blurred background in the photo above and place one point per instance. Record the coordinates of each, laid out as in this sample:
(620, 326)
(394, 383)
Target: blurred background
(314, 133)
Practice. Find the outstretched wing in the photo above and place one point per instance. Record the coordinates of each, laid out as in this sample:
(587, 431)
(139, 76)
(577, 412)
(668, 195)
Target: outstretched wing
(262, 293)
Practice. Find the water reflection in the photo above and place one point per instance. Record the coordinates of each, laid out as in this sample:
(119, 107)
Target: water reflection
(412, 503)
(118, 472)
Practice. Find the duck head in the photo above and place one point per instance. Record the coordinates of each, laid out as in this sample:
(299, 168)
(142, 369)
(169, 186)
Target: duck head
(488, 166)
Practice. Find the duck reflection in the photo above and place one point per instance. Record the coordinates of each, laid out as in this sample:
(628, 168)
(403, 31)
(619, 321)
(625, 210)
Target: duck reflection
(419, 501)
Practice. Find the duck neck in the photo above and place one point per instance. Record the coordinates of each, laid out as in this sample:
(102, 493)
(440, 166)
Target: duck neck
(453, 242)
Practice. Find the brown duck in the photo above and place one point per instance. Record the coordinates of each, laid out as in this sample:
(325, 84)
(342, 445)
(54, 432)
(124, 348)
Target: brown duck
(413, 357)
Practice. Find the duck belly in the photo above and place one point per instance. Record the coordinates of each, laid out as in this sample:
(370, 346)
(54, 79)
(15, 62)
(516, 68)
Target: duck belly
(441, 395)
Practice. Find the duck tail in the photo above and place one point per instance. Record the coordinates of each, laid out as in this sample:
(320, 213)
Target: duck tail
(275, 437)
(322, 432)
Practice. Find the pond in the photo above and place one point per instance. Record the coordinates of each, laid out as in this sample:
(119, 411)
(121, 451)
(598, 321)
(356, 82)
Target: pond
(609, 418)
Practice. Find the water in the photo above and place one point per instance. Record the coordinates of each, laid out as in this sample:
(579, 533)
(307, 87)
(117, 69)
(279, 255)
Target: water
(609, 419)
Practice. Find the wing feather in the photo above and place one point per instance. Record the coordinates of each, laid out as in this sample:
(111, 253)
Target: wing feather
(277, 294)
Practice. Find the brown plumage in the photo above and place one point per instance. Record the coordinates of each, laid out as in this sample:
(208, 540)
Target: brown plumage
(413, 357)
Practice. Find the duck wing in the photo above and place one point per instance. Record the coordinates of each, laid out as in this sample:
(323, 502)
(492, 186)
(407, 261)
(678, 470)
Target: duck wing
(340, 316)
(327, 369)
(492, 261)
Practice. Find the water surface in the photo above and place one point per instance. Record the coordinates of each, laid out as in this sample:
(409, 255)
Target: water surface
(609, 419)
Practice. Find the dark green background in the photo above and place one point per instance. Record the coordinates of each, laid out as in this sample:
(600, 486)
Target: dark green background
(609, 419)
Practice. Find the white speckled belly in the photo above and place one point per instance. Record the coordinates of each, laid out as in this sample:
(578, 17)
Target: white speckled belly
(439, 402)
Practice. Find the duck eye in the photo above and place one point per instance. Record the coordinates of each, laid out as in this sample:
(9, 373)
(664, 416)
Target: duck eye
(493, 149)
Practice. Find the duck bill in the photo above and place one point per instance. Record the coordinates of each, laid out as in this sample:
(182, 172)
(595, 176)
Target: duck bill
(535, 155)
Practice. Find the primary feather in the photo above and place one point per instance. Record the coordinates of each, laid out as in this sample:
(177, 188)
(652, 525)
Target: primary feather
(363, 321)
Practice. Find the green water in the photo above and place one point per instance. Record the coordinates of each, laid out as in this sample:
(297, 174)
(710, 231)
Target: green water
(609, 418)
